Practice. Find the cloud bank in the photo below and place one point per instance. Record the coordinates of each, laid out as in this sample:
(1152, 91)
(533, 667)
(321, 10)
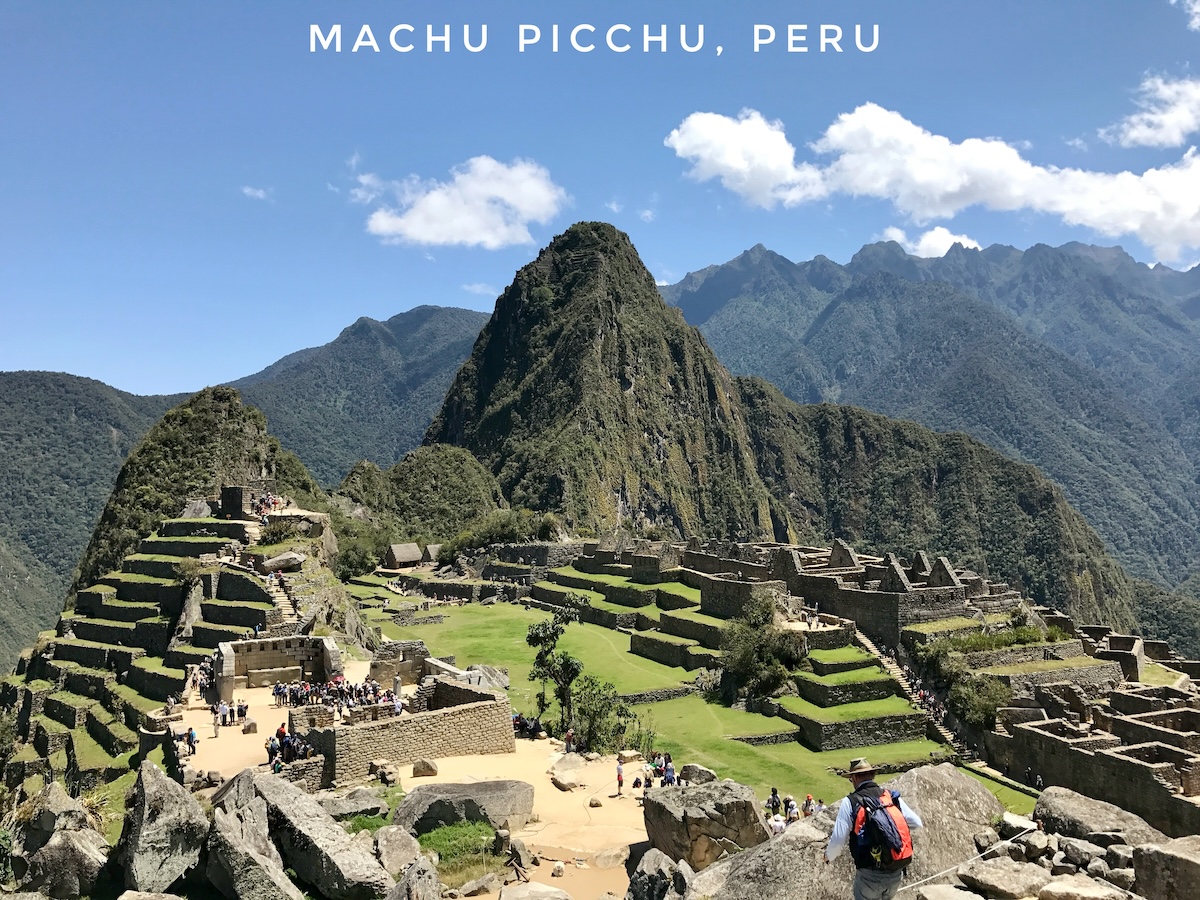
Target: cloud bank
(485, 203)
(1169, 114)
(875, 152)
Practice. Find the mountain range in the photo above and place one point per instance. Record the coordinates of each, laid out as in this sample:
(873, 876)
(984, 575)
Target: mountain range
(584, 393)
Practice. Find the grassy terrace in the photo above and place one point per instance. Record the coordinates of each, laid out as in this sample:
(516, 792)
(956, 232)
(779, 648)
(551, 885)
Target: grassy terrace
(848, 712)
(854, 676)
(841, 655)
(593, 597)
(613, 580)
(1156, 673)
(695, 616)
(132, 697)
(155, 664)
(677, 589)
(955, 623)
(672, 639)
(496, 635)
(1014, 801)
(1045, 665)
(156, 557)
(693, 730)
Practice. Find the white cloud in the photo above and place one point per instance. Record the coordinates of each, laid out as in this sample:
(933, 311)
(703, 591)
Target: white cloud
(1077, 143)
(875, 152)
(485, 203)
(1169, 113)
(661, 282)
(613, 206)
(254, 193)
(480, 288)
(353, 161)
(646, 215)
(751, 156)
(933, 243)
(1192, 7)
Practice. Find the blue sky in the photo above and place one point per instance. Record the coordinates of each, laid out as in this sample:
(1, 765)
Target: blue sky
(187, 192)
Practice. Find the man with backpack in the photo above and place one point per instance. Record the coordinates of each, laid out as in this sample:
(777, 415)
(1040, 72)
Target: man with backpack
(875, 823)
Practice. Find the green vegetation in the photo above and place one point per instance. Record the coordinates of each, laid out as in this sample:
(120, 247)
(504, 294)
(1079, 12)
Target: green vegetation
(758, 654)
(1014, 801)
(501, 526)
(851, 676)
(849, 653)
(848, 712)
(1155, 673)
(366, 823)
(464, 851)
(975, 699)
(1045, 665)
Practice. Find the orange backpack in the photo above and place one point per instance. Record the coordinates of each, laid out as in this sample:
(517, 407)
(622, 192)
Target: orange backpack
(880, 838)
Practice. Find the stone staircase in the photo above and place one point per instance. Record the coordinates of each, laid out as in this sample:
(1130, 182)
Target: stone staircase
(893, 669)
(284, 604)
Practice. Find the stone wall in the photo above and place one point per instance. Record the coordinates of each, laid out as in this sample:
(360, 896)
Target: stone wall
(318, 657)
(841, 635)
(154, 684)
(653, 647)
(707, 633)
(403, 658)
(473, 728)
(1135, 699)
(725, 598)
(826, 695)
(234, 585)
(1177, 727)
(1093, 681)
(237, 614)
(1011, 656)
(660, 694)
(541, 554)
(711, 564)
(863, 733)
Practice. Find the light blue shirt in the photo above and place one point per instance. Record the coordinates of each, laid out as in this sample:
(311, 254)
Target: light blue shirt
(841, 828)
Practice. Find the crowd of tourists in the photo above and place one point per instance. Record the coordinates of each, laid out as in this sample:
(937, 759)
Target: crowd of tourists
(226, 714)
(783, 811)
(283, 747)
(338, 695)
(267, 504)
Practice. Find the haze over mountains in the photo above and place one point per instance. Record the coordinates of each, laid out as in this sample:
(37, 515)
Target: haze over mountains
(587, 395)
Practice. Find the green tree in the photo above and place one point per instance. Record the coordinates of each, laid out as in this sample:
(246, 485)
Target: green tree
(552, 665)
(602, 715)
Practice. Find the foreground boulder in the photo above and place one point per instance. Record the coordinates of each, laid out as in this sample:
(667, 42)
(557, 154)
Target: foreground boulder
(953, 806)
(69, 865)
(164, 830)
(243, 864)
(1170, 870)
(703, 822)
(316, 847)
(418, 882)
(502, 804)
(692, 773)
(657, 878)
(1062, 811)
(359, 802)
(1004, 878)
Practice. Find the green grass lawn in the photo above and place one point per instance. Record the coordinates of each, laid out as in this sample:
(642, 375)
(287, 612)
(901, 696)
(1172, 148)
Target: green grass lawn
(955, 623)
(853, 676)
(849, 653)
(678, 589)
(496, 635)
(614, 580)
(1155, 673)
(848, 712)
(1045, 665)
(1014, 801)
(561, 590)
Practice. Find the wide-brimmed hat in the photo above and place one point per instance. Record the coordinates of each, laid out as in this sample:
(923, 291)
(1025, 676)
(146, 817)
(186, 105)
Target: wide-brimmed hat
(860, 766)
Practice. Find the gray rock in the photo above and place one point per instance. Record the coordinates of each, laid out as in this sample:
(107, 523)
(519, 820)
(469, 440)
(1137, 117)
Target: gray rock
(144, 895)
(242, 863)
(521, 854)
(1169, 870)
(1106, 838)
(490, 677)
(611, 858)
(696, 774)
(1004, 878)
(395, 848)
(237, 792)
(944, 892)
(985, 839)
(1011, 825)
(1035, 844)
(418, 882)
(195, 509)
(318, 849)
(1079, 887)
(654, 878)
(250, 726)
(502, 804)
(566, 772)
(954, 806)
(630, 756)
(68, 865)
(1123, 878)
(1119, 856)
(1065, 812)
(165, 829)
(701, 823)
(359, 802)
(1078, 851)
(53, 810)
(532, 890)
(1098, 868)
(423, 768)
(288, 560)
(484, 885)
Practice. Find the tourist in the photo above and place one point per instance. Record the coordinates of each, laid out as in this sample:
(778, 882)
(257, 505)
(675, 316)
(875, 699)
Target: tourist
(216, 723)
(224, 709)
(821, 807)
(620, 777)
(569, 740)
(871, 880)
(774, 803)
(778, 825)
(191, 741)
(791, 812)
(809, 807)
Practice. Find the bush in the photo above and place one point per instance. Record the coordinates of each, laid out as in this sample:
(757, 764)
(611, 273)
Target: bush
(501, 527)
(277, 533)
(452, 842)
(602, 715)
(975, 699)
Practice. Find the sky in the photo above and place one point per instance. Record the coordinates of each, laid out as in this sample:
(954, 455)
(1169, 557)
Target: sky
(189, 191)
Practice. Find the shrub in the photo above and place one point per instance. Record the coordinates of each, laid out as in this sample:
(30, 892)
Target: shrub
(453, 842)
(277, 532)
(975, 699)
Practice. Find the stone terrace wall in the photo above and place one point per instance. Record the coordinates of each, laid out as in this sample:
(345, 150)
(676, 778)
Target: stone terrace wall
(1094, 681)
(318, 656)
(473, 728)
(836, 694)
(543, 555)
(726, 599)
(1011, 656)
(709, 564)
(876, 613)
(1177, 727)
(863, 733)
(403, 658)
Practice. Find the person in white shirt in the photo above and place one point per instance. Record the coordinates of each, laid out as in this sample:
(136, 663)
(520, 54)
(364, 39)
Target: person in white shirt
(869, 883)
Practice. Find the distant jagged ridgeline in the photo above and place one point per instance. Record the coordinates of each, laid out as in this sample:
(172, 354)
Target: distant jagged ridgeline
(210, 440)
(587, 395)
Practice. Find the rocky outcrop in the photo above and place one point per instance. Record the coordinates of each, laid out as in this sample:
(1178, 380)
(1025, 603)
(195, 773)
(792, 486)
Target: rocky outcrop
(359, 802)
(53, 810)
(418, 882)
(424, 768)
(658, 878)
(164, 830)
(696, 774)
(395, 848)
(791, 867)
(1004, 878)
(68, 865)
(243, 864)
(567, 771)
(1169, 870)
(316, 848)
(1063, 811)
(502, 804)
(490, 677)
(701, 823)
